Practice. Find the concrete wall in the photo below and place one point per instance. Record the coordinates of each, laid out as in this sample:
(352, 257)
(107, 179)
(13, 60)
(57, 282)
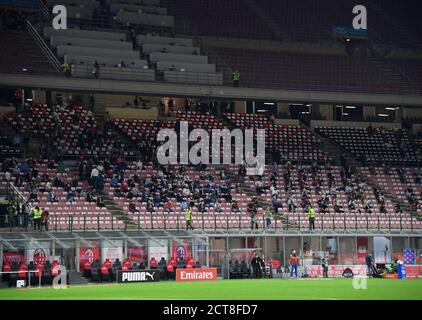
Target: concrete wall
(194, 77)
(353, 124)
(93, 43)
(369, 111)
(147, 19)
(87, 3)
(218, 92)
(6, 109)
(49, 31)
(250, 44)
(412, 112)
(148, 48)
(108, 61)
(240, 106)
(145, 2)
(327, 111)
(158, 56)
(116, 7)
(114, 73)
(122, 54)
(290, 122)
(190, 67)
(143, 39)
(283, 107)
(131, 113)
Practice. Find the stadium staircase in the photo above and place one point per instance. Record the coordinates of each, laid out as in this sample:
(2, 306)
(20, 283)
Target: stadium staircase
(21, 52)
(213, 58)
(118, 212)
(398, 77)
(280, 221)
(351, 160)
(278, 32)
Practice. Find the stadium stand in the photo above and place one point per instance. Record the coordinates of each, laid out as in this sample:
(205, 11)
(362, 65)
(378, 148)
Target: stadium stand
(373, 145)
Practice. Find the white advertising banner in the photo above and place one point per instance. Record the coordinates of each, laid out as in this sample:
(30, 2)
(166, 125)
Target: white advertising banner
(158, 249)
(112, 250)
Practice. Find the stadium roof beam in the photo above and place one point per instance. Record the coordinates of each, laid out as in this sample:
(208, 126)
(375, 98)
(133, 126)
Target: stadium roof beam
(105, 238)
(8, 244)
(59, 242)
(130, 239)
(86, 243)
(198, 238)
(32, 239)
(151, 238)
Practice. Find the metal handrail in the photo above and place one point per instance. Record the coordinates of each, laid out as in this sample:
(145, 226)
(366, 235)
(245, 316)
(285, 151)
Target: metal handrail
(43, 46)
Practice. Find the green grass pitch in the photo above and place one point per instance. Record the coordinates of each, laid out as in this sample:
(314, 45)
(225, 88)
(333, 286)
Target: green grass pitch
(271, 289)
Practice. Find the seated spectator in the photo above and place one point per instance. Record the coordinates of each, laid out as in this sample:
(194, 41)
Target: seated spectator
(71, 195)
(132, 207)
(368, 207)
(33, 197)
(51, 197)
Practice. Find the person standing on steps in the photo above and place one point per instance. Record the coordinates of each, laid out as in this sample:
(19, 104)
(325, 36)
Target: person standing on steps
(188, 218)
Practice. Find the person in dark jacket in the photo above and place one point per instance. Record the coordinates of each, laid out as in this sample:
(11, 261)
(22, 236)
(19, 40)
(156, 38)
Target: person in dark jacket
(368, 262)
(324, 263)
(256, 266)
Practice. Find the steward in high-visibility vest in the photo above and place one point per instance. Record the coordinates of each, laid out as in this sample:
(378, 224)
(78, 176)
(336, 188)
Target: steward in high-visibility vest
(188, 218)
(36, 216)
(66, 69)
(236, 78)
(311, 218)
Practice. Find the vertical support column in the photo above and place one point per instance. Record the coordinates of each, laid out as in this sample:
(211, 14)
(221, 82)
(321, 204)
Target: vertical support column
(240, 106)
(368, 111)
(77, 255)
(207, 255)
(283, 109)
(125, 249)
(338, 250)
(1, 256)
(53, 248)
(327, 111)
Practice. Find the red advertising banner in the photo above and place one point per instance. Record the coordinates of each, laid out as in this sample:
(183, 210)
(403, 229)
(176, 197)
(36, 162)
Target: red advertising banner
(201, 274)
(136, 254)
(181, 249)
(9, 257)
(362, 248)
(88, 255)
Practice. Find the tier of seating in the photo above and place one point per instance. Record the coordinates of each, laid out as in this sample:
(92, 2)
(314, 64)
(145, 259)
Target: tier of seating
(71, 132)
(22, 55)
(397, 182)
(391, 23)
(293, 142)
(63, 214)
(228, 19)
(265, 69)
(373, 146)
(352, 219)
(309, 21)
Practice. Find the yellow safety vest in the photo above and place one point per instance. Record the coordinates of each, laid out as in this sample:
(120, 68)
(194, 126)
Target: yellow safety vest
(188, 215)
(236, 76)
(311, 213)
(37, 214)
